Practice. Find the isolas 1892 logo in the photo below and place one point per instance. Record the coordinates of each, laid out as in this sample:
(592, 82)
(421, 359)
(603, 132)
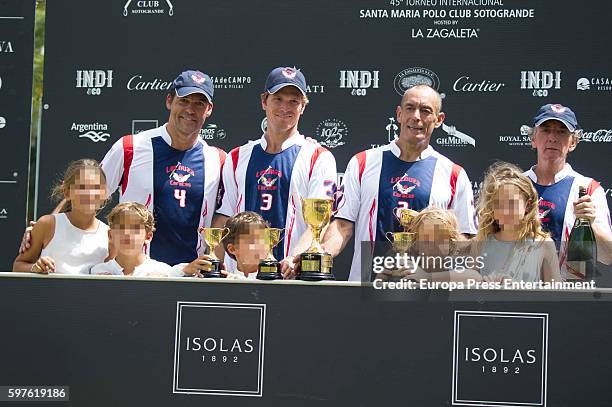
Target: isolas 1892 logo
(499, 358)
(217, 341)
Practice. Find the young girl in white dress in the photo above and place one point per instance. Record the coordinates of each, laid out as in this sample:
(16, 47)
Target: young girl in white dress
(73, 240)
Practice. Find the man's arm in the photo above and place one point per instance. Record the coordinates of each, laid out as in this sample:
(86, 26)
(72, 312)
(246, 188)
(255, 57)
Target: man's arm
(337, 236)
(463, 205)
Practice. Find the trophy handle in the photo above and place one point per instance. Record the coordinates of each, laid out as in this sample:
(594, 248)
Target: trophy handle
(395, 212)
(387, 236)
(225, 233)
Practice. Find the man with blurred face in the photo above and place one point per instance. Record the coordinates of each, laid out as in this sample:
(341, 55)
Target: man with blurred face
(269, 176)
(407, 173)
(555, 134)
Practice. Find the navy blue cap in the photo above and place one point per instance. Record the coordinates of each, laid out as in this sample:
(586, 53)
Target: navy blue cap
(190, 82)
(556, 112)
(285, 76)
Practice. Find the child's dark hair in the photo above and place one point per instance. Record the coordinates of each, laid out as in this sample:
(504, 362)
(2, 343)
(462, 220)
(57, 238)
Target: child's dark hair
(69, 179)
(240, 224)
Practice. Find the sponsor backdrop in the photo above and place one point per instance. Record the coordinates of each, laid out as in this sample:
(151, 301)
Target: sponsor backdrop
(16, 61)
(110, 63)
(113, 345)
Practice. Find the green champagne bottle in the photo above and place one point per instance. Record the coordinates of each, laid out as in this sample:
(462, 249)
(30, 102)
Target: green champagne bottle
(582, 247)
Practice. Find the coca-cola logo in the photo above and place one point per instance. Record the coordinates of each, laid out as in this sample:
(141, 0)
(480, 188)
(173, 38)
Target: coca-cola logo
(598, 136)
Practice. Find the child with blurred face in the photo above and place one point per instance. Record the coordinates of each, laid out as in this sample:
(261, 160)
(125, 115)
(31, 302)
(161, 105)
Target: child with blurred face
(72, 241)
(245, 242)
(509, 229)
(131, 230)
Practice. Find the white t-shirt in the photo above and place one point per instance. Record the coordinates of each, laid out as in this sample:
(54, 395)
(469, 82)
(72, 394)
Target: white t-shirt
(149, 268)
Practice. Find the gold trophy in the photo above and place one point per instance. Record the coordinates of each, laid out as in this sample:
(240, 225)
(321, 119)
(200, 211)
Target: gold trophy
(401, 241)
(405, 216)
(269, 268)
(213, 237)
(315, 263)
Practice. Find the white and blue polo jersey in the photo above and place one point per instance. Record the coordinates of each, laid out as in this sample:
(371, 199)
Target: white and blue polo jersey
(556, 208)
(376, 182)
(273, 184)
(181, 188)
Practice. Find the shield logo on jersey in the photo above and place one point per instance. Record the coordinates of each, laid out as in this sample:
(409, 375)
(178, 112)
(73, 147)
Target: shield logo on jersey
(268, 178)
(544, 208)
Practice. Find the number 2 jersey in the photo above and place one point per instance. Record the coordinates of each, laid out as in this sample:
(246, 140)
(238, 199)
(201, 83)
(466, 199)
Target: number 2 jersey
(377, 181)
(181, 188)
(273, 184)
(556, 209)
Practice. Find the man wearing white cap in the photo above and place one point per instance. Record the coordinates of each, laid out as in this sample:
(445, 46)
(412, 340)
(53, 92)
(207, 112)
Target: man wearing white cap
(271, 175)
(555, 134)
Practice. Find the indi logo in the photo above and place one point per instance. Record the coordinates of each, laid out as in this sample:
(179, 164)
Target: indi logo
(219, 348)
(499, 359)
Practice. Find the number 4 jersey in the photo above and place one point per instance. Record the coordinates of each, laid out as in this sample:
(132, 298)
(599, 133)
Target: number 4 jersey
(181, 188)
(272, 184)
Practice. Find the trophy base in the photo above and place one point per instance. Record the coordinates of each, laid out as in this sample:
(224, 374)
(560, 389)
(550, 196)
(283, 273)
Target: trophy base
(312, 276)
(316, 267)
(215, 272)
(269, 270)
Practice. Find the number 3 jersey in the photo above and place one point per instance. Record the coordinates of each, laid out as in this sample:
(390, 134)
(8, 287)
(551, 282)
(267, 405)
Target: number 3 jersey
(181, 188)
(377, 181)
(272, 184)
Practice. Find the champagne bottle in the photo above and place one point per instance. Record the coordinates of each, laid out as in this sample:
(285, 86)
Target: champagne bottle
(582, 247)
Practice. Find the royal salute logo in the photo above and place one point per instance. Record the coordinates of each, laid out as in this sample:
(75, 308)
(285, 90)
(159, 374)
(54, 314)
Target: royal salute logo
(95, 132)
(215, 341)
(2, 122)
(331, 132)
(410, 77)
(521, 139)
(359, 81)
(540, 83)
(6, 47)
(94, 80)
(499, 358)
(148, 7)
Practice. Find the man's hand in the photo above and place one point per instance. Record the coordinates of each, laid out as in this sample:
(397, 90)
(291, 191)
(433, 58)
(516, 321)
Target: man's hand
(26, 239)
(585, 208)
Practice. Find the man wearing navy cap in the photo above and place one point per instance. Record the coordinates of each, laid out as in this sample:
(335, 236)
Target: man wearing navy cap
(555, 134)
(270, 175)
(173, 172)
